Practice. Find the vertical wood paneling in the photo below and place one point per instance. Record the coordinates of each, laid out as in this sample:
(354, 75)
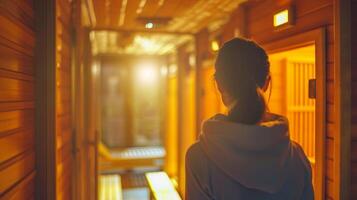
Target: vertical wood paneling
(171, 144)
(354, 99)
(210, 99)
(17, 95)
(63, 100)
(186, 111)
(300, 109)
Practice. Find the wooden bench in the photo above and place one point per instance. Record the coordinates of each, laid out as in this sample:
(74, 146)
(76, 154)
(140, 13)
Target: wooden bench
(110, 187)
(161, 187)
(129, 158)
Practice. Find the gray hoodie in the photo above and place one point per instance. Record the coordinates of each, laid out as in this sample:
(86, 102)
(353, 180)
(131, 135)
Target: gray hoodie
(233, 161)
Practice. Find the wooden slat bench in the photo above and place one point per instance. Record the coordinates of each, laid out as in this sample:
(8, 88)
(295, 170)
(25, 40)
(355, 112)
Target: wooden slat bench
(161, 187)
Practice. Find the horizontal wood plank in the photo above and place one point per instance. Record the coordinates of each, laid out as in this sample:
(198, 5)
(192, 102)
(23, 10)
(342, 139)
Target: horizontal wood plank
(12, 60)
(24, 190)
(16, 143)
(21, 105)
(17, 99)
(17, 33)
(16, 119)
(262, 31)
(16, 170)
(15, 75)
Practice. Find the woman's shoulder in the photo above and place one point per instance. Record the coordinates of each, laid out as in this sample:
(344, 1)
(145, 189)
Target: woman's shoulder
(195, 156)
(194, 152)
(301, 155)
(197, 163)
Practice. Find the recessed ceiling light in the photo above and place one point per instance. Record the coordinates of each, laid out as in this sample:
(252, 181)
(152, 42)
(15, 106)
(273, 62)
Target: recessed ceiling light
(149, 25)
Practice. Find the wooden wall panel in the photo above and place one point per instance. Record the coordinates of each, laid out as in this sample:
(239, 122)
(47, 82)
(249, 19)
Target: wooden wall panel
(64, 157)
(17, 110)
(187, 118)
(353, 101)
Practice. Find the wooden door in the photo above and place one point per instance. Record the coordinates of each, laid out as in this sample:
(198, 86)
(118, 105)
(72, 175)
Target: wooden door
(291, 72)
(307, 116)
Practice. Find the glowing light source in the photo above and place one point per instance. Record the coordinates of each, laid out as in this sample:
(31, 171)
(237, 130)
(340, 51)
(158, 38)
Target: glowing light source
(281, 18)
(164, 71)
(161, 186)
(172, 70)
(146, 43)
(214, 45)
(147, 73)
(95, 69)
(149, 25)
(110, 187)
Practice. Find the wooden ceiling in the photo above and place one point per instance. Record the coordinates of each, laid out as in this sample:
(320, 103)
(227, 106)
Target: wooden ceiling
(126, 43)
(187, 16)
(125, 20)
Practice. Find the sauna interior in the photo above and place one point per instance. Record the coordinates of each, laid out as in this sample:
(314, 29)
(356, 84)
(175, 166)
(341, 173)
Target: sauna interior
(101, 99)
(291, 73)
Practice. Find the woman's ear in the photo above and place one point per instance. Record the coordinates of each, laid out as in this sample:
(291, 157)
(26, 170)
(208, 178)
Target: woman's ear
(266, 84)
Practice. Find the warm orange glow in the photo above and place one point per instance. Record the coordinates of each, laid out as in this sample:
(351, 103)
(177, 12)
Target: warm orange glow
(147, 73)
(291, 71)
(210, 101)
(188, 124)
(214, 45)
(171, 144)
(281, 18)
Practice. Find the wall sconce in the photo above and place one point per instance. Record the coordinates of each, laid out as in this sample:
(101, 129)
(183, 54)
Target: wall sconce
(284, 18)
(214, 45)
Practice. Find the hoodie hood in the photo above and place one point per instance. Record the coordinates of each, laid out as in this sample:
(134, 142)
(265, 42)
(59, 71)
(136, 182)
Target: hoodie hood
(257, 156)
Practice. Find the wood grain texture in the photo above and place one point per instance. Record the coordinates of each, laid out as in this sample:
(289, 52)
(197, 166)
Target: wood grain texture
(63, 100)
(354, 96)
(354, 100)
(17, 95)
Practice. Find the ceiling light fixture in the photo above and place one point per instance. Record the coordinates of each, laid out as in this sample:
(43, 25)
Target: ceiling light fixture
(149, 25)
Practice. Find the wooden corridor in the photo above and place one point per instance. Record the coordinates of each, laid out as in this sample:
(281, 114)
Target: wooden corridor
(59, 137)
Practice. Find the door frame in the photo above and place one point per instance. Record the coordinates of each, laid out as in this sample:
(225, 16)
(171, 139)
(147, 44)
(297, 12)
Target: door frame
(45, 86)
(318, 38)
(342, 98)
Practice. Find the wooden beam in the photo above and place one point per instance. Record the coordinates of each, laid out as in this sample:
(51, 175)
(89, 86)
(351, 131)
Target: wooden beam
(146, 31)
(342, 22)
(45, 11)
